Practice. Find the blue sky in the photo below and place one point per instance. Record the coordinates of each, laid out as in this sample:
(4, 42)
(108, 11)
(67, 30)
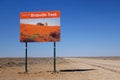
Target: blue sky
(88, 28)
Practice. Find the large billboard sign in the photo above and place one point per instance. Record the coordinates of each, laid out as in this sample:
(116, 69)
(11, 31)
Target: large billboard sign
(40, 26)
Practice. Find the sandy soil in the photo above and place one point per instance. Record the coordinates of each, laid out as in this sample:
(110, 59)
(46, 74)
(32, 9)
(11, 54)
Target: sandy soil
(67, 69)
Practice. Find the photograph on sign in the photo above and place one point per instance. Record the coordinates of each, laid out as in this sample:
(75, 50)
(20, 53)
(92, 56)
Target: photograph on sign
(40, 26)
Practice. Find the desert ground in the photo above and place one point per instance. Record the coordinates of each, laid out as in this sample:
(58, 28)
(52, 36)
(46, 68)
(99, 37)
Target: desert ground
(80, 68)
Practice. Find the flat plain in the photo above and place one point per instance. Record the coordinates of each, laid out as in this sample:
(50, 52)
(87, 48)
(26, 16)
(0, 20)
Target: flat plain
(70, 68)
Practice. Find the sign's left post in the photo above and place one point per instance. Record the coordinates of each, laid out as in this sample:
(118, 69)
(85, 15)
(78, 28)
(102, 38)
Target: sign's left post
(26, 57)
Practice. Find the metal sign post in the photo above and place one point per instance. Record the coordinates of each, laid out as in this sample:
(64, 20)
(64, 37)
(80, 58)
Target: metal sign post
(54, 56)
(26, 57)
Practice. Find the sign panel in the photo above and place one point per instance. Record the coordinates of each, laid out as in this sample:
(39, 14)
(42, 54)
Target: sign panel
(40, 26)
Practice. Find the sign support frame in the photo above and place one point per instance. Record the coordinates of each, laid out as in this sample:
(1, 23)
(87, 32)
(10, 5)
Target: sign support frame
(54, 57)
(26, 70)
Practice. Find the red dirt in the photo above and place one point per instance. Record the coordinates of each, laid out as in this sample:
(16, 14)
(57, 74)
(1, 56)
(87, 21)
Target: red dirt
(35, 33)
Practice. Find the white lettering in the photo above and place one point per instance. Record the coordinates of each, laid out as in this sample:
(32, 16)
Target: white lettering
(38, 15)
(52, 14)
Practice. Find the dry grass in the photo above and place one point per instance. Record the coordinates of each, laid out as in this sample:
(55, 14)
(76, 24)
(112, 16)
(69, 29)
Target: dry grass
(67, 69)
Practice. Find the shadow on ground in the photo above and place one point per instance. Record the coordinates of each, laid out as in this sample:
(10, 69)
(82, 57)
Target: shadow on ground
(76, 70)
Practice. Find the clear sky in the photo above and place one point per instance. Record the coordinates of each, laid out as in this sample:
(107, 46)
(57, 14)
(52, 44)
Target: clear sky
(88, 28)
